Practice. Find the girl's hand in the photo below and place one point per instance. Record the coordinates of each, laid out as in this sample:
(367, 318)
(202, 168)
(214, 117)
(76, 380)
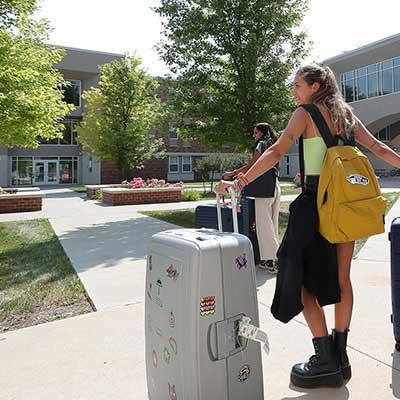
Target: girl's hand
(222, 187)
(227, 175)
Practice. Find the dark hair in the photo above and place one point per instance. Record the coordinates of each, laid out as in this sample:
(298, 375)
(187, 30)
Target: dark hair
(266, 131)
(329, 95)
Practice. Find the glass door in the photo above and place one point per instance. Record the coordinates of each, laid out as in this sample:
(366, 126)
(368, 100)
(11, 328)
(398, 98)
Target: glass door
(52, 172)
(46, 172)
(39, 173)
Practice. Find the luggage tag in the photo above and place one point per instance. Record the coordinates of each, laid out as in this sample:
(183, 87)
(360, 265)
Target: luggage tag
(252, 332)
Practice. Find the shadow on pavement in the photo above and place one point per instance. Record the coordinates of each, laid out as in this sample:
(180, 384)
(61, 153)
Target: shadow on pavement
(263, 276)
(341, 393)
(107, 244)
(396, 374)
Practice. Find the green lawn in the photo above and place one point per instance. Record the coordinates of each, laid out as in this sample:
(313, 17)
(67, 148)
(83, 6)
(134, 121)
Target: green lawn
(185, 218)
(79, 189)
(37, 281)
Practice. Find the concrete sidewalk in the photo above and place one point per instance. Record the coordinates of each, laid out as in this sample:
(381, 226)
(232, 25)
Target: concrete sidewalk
(101, 355)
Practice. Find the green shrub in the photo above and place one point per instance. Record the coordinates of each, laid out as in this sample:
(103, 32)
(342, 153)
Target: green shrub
(98, 195)
(190, 195)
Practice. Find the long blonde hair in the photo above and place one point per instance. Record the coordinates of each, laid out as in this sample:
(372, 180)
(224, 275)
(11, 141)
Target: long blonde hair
(329, 95)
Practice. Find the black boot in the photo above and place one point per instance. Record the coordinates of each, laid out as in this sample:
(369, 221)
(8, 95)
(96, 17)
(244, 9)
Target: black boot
(321, 370)
(340, 341)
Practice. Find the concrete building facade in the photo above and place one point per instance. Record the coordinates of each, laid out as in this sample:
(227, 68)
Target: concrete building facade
(369, 78)
(60, 161)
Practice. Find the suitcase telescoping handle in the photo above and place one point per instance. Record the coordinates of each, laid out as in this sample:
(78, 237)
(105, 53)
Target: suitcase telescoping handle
(234, 211)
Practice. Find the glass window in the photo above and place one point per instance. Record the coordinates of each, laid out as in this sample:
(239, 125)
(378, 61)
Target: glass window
(387, 64)
(14, 172)
(348, 75)
(186, 164)
(372, 68)
(66, 171)
(387, 81)
(72, 93)
(75, 173)
(372, 85)
(396, 78)
(67, 133)
(362, 71)
(21, 171)
(172, 133)
(384, 134)
(173, 164)
(349, 91)
(361, 88)
(396, 61)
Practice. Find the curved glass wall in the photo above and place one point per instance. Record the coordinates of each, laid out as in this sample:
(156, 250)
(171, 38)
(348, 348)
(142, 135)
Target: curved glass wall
(371, 81)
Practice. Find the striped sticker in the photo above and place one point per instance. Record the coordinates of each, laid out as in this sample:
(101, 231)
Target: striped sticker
(207, 305)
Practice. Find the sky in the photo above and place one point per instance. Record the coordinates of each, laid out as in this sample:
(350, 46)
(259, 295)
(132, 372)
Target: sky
(121, 26)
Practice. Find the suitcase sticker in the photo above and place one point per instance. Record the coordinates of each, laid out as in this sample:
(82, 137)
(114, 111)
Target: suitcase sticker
(207, 305)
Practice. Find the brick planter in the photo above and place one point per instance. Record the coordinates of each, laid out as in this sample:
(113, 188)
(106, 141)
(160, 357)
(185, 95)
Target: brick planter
(21, 202)
(91, 189)
(123, 196)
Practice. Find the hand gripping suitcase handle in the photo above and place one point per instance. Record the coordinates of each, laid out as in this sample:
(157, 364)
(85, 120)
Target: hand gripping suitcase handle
(234, 211)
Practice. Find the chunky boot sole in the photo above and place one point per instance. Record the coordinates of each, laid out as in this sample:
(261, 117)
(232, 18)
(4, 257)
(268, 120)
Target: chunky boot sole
(334, 379)
(346, 372)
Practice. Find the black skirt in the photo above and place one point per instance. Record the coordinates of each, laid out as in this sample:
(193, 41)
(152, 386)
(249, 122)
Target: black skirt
(305, 259)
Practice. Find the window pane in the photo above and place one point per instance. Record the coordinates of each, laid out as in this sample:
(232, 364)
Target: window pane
(75, 176)
(24, 172)
(65, 171)
(387, 64)
(72, 93)
(173, 164)
(372, 68)
(396, 61)
(396, 76)
(362, 71)
(14, 173)
(349, 91)
(172, 134)
(75, 125)
(362, 88)
(67, 133)
(372, 85)
(348, 75)
(387, 76)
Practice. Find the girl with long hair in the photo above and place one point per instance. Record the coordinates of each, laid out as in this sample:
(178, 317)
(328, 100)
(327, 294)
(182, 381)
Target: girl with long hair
(313, 272)
(267, 201)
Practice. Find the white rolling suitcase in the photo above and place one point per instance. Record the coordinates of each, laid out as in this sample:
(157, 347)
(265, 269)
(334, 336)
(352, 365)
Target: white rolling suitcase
(199, 284)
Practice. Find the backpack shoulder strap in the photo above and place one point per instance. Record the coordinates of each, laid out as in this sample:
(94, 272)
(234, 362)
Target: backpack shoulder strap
(322, 126)
(301, 161)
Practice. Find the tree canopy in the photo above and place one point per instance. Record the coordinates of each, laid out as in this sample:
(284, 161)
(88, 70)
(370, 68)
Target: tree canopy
(230, 61)
(120, 113)
(31, 90)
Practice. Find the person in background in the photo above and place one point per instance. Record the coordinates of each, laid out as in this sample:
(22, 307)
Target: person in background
(266, 191)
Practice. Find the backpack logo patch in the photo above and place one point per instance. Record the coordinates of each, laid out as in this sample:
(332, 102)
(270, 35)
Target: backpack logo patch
(356, 179)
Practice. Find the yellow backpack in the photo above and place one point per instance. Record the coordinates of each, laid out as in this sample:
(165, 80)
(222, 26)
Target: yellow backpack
(350, 204)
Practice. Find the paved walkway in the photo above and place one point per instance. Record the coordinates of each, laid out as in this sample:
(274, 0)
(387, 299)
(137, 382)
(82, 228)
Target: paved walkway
(100, 355)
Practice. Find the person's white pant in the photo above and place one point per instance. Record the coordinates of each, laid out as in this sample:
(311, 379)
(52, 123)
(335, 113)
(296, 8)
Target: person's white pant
(267, 224)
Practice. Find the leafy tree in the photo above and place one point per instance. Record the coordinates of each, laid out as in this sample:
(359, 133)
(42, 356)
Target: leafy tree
(208, 166)
(11, 10)
(31, 90)
(120, 113)
(231, 60)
